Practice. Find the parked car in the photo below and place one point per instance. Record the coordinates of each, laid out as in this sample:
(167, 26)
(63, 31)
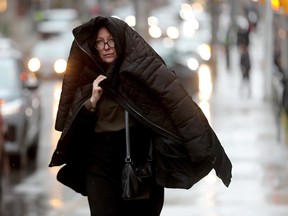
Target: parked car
(20, 107)
(2, 152)
(8, 43)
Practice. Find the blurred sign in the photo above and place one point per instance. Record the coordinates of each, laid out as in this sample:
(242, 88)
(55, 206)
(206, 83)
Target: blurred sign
(284, 6)
(278, 5)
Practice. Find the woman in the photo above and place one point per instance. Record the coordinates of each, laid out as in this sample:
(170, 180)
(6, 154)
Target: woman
(111, 68)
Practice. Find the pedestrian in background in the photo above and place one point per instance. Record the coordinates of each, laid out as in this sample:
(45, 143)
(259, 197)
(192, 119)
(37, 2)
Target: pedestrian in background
(243, 37)
(227, 46)
(243, 42)
(111, 68)
(245, 66)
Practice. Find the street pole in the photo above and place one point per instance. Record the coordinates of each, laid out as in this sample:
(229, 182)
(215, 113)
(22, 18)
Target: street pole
(214, 11)
(141, 15)
(268, 45)
(233, 21)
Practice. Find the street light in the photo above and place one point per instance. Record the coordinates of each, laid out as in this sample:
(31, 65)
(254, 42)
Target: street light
(3, 5)
(275, 4)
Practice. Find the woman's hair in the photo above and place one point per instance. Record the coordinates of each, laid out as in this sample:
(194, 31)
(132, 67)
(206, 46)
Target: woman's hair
(96, 29)
(96, 25)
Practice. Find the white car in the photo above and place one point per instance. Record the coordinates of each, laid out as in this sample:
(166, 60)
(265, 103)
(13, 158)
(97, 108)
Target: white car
(48, 58)
(58, 21)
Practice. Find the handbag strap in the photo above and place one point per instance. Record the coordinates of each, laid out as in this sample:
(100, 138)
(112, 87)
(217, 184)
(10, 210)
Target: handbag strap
(127, 134)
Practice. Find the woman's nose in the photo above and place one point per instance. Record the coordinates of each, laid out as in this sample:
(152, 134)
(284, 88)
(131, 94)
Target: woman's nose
(106, 47)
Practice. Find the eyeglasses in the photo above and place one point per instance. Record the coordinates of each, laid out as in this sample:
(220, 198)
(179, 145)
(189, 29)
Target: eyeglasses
(101, 44)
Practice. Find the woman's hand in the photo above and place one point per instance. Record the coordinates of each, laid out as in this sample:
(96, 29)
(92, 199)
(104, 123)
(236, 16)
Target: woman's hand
(96, 90)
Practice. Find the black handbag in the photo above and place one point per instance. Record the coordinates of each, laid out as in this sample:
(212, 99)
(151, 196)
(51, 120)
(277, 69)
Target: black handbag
(136, 180)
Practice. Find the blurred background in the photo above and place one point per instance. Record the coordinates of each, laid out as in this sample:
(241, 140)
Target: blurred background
(230, 55)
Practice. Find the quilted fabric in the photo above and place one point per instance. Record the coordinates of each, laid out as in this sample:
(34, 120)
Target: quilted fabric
(149, 90)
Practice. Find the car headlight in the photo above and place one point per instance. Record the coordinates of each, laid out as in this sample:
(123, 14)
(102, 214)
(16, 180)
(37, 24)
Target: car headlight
(11, 107)
(155, 31)
(192, 64)
(60, 66)
(34, 64)
(205, 82)
(204, 51)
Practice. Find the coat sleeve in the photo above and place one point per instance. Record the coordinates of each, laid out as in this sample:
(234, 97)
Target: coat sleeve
(70, 84)
(188, 118)
(199, 138)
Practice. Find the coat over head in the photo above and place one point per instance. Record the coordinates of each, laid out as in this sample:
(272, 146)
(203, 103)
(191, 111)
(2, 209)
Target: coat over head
(187, 147)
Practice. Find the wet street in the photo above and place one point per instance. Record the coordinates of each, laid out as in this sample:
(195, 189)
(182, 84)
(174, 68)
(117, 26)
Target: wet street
(248, 131)
(246, 126)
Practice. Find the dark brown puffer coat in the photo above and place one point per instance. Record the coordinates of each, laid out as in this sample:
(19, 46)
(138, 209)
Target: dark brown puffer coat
(187, 147)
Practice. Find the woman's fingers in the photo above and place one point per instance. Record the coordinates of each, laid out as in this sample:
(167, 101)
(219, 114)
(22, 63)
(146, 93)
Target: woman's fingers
(97, 90)
(99, 79)
(96, 87)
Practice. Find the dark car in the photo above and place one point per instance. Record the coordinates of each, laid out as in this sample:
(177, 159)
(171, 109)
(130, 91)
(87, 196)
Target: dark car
(1, 137)
(2, 155)
(20, 107)
(191, 58)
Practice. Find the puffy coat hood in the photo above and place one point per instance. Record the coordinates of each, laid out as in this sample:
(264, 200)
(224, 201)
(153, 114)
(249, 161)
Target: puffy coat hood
(129, 45)
(85, 35)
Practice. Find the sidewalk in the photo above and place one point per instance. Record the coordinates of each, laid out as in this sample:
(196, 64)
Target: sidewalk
(247, 129)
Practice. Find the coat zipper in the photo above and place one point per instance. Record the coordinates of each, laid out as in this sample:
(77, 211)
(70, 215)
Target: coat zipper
(84, 101)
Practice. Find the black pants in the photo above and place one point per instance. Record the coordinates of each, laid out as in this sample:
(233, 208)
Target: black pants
(103, 179)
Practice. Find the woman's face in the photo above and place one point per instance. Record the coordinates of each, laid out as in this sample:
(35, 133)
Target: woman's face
(105, 46)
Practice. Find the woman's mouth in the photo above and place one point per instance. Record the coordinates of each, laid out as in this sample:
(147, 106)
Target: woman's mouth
(109, 54)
